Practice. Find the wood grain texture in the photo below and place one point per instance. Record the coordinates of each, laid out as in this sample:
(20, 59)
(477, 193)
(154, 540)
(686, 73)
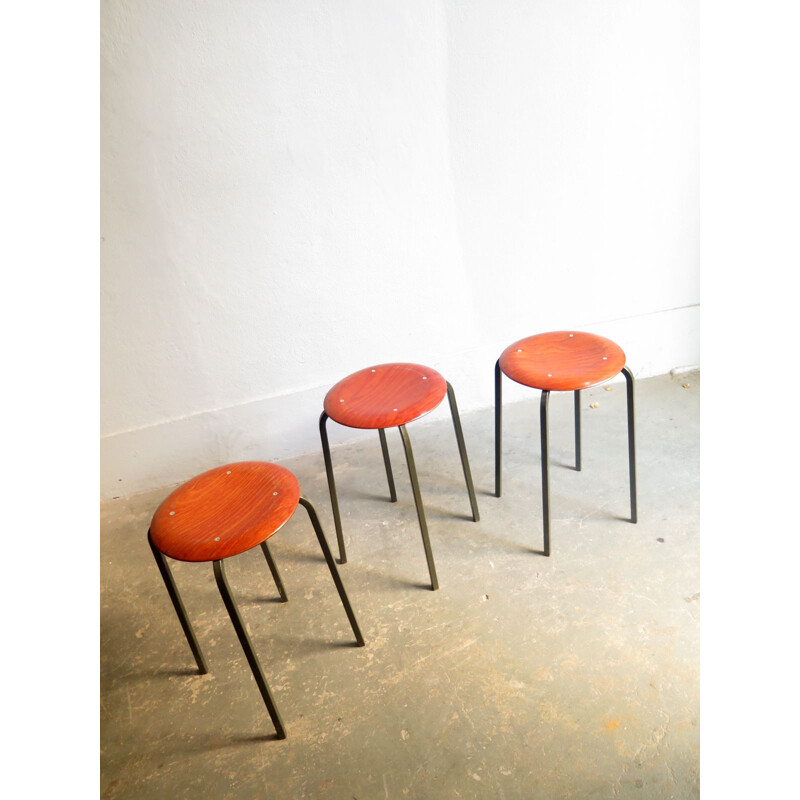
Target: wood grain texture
(385, 395)
(562, 360)
(225, 511)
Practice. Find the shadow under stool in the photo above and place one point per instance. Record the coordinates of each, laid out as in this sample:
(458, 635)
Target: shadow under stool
(385, 396)
(223, 513)
(563, 361)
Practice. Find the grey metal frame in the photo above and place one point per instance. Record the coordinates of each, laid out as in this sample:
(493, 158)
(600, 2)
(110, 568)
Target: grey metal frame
(236, 617)
(388, 464)
(249, 650)
(273, 568)
(180, 610)
(462, 450)
(543, 427)
(631, 443)
(423, 526)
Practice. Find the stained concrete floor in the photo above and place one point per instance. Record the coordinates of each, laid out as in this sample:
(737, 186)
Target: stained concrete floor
(522, 677)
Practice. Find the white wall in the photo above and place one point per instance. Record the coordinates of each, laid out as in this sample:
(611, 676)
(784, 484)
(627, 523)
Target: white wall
(292, 191)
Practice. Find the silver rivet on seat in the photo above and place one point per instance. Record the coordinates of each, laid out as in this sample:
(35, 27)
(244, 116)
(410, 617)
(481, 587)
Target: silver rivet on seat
(216, 538)
(571, 335)
(274, 494)
(372, 370)
(424, 377)
(228, 472)
(172, 513)
(605, 358)
(520, 350)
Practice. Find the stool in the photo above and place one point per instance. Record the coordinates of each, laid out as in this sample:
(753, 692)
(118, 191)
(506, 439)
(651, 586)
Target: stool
(564, 361)
(222, 513)
(381, 397)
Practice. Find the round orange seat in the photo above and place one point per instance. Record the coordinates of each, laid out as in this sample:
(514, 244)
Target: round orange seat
(562, 361)
(225, 511)
(385, 396)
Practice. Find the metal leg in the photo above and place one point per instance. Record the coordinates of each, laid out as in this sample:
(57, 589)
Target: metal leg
(578, 430)
(172, 589)
(631, 443)
(462, 449)
(326, 551)
(276, 576)
(412, 471)
(247, 646)
(326, 453)
(498, 426)
(388, 465)
(545, 472)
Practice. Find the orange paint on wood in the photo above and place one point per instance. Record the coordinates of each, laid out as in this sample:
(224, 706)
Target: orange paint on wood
(225, 511)
(385, 395)
(562, 360)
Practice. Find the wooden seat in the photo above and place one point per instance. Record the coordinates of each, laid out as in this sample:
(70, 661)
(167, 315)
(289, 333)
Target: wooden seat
(385, 396)
(225, 511)
(222, 513)
(562, 361)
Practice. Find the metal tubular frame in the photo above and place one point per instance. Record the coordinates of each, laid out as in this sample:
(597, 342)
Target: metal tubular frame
(388, 464)
(498, 448)
(412, 471)
(631, 443)
(247, 646)
(578, 430)
(174, 595)
(462, 451)
(326, 551)
(545, 471)
(498, 428)
(273, 568)
(326, 454)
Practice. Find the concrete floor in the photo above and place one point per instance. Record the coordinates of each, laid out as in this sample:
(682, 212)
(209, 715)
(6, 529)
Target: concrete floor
(522, 677)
